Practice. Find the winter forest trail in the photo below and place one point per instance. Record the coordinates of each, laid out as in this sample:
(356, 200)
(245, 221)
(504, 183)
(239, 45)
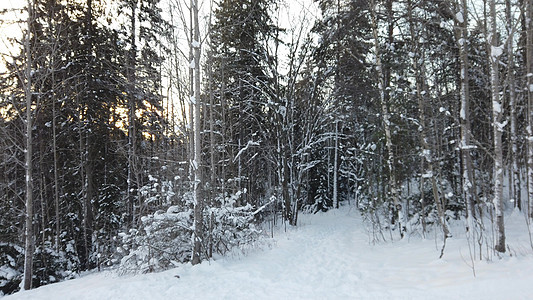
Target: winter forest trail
(328, 256)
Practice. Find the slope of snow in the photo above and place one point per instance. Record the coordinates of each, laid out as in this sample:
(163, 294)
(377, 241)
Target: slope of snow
(327, 257)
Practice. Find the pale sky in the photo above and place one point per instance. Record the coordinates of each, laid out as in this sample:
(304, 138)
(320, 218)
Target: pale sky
(6, 29)
(293, 14)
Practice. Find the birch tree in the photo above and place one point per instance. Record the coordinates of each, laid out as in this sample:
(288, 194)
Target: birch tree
(529, 92)
(497, 124)
(461, 19)
(197, 157)
(514, 171)
(383, 96)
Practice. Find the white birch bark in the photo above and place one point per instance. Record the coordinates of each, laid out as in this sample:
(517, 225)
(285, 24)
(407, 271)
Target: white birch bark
(514, 176)
(465, 146)
(529, 91)
(497, 111)
(198, 201)
(386, 118)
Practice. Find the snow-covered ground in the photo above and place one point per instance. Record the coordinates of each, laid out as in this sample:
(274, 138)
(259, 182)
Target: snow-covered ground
(327, 257)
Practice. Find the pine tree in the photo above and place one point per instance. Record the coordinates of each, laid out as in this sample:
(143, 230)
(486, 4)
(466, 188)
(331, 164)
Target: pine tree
(242, 90)
(341, 58)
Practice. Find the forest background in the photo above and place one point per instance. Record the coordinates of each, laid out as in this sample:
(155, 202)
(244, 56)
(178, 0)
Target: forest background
(141, 134)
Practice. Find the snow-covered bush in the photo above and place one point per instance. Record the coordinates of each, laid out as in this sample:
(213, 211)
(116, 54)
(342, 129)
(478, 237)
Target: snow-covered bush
(49, 266)
(164, 239)
(11, 268)
(52, 266)
(231, 228)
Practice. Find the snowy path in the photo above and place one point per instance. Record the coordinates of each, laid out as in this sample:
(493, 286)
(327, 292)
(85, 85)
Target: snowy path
(327, 257)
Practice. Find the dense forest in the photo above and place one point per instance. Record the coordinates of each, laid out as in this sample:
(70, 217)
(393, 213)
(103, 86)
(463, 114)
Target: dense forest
(141, 134)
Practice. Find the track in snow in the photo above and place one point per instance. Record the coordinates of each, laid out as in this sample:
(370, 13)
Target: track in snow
(327, 256)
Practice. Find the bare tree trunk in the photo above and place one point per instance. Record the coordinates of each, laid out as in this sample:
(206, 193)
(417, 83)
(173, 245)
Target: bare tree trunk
(198, 201)
(466, 159)
(191, 92)
(223, 133)
(336, 167)
(212, 130)
(497, 111)
(28, 236)
(131, 115)
(427, 151)
(87, 201)
(213, 165)
(56, 179)
(514, 174)
(282, 147)
(529, 88)
(386, 117)
(338, 51)
(56, 176)
(54, 49)
(89, 172)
